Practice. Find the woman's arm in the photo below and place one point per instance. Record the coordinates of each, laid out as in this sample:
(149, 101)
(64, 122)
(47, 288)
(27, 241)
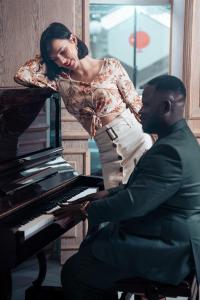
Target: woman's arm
(33, 73)
(127, 90)
(129, 93)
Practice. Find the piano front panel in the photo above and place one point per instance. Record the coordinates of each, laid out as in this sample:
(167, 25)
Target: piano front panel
(33, 228)
(33, 181)
(34, 176)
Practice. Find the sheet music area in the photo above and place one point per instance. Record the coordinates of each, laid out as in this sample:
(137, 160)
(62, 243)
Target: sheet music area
(34, 179)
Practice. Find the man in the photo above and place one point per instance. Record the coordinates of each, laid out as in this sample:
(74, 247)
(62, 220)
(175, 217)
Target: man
(154, 220)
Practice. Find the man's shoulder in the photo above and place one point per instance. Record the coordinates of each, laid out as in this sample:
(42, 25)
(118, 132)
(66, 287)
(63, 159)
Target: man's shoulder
(182, 141)
(161, 161)
(181, 148)
(161, 151)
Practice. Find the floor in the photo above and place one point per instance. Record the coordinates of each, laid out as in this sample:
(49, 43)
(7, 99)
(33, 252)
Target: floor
(26, 273)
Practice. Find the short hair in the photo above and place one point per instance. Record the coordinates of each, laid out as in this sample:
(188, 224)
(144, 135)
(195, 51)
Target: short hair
(168, 83)
(57, 31)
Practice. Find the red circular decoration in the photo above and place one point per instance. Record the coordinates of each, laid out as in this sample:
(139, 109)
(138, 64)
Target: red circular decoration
(142, 39)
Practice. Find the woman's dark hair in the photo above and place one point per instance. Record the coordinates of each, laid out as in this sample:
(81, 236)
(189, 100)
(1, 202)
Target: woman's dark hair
(57, 31)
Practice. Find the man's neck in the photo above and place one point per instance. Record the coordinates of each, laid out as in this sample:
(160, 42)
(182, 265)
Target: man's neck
(168, 127)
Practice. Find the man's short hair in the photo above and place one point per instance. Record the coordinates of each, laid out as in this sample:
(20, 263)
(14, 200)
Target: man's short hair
(168, 83)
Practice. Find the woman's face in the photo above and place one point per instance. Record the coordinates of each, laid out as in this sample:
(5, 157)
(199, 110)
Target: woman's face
(64, 53)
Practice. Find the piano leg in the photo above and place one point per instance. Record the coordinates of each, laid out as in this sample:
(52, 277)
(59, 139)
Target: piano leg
(42, 269)
(5, 285)
(34, 291)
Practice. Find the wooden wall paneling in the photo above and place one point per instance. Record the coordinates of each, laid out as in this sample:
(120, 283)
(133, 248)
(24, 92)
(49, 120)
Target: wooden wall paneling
(36, 136)
(79, 159)
(21, 24)
(71, 128)
(2, 50)
(78, 13)
(85, 21)
(70, 241)
(191, 67)
(75, 144)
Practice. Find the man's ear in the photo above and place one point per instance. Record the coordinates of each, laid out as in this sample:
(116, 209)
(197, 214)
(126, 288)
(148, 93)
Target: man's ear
(167, 106)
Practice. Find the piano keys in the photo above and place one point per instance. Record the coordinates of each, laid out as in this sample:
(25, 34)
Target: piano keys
(34, 223)
(34, 178)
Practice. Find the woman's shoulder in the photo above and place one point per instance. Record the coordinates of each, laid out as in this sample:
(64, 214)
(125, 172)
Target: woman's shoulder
(113, 64)
(112, 61)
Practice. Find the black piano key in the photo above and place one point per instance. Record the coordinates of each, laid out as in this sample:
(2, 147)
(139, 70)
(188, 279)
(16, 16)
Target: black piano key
(34, 211)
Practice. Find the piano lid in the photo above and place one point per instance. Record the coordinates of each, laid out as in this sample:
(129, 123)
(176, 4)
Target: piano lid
(29, 122)
(31, 162)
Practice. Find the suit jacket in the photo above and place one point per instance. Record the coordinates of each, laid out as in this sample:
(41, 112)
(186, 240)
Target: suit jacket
(154, 220)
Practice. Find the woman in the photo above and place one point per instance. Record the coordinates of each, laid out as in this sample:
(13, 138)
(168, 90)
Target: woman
(98, 93)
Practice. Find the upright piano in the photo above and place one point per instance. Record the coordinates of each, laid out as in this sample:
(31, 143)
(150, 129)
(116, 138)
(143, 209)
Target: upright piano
(34, 179)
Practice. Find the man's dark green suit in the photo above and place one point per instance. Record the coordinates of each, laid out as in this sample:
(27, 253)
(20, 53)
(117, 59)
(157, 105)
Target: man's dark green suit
(161, 206)
(153, 228)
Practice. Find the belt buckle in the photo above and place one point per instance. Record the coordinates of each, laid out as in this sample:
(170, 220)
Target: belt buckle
(111, 133)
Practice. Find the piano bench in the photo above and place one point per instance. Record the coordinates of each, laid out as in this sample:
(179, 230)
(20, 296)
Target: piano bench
(152, 290)
(44, 293)
(155, 290)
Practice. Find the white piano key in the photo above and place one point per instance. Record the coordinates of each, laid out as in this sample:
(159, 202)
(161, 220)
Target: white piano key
(53, 209)
(76, 197)
(83, 194)
(36, 225)
(47, 218)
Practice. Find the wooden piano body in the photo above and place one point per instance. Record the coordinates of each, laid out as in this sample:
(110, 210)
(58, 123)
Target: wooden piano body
(34, 179)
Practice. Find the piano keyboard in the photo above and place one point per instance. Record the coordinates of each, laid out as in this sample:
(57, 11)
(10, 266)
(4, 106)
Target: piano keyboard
(46, 218)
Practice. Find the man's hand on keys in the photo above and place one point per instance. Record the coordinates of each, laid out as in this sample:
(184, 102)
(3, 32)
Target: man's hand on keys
(91, 197)
(65, 211)
(76, 209)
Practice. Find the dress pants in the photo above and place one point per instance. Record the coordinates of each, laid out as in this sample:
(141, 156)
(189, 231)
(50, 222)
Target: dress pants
(121, 143)
(84, 277)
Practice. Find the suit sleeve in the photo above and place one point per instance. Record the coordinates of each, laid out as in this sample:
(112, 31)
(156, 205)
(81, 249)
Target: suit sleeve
(158, 178)
(114, 190)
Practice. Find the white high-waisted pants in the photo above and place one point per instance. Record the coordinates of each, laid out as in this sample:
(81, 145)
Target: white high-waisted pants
(121, 143)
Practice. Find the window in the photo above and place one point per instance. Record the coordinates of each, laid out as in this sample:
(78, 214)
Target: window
(137, 35)
(135, 32)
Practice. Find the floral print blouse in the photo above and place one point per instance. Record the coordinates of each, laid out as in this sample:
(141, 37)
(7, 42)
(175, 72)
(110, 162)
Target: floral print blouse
(111, 91)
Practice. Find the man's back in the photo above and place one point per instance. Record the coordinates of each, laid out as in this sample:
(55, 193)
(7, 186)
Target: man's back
(153, 222)
(165, 194)
(183, 142)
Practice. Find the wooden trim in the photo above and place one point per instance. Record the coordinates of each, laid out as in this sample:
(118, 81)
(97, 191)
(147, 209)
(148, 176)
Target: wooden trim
(171, 29)
(86, 157)
(130, 2)
(73, 29)
(191, 65)
(85, 21)
(197, 134)
(187, 51)
(73, 151)
(78, 135)
(191, 59)
(86, 163)
(69, 118)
